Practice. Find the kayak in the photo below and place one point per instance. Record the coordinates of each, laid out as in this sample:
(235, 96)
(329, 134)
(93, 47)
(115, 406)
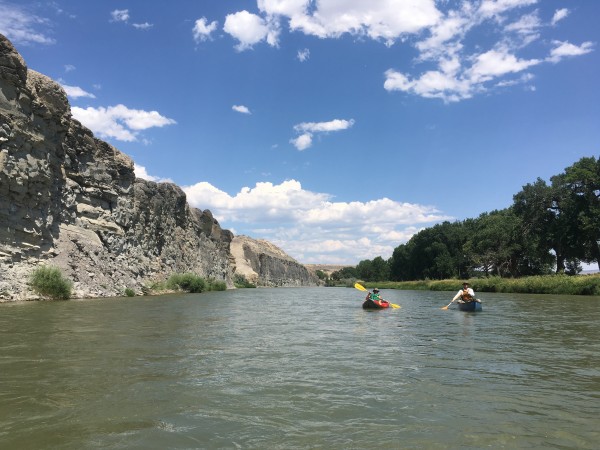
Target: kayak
(470, 306)
(375, 304)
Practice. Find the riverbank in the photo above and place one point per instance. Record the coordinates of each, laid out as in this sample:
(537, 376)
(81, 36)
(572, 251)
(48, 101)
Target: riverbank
(543, 284)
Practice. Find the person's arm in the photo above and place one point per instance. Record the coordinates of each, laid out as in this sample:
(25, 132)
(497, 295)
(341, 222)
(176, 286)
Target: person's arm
(457, 296)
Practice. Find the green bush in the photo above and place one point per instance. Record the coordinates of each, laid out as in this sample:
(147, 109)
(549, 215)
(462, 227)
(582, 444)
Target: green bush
(240, 281)
(129, 292)
(49, 282)
(214, 285)
(188, 282)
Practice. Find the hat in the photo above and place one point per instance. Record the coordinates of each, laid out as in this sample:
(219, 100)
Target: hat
(374, 290)
(465, 283)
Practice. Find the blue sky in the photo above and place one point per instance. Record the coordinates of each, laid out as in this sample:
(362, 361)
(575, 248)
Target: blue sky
(334, 129)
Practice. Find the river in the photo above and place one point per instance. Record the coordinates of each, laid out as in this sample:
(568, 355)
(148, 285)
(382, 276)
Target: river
(300, 368)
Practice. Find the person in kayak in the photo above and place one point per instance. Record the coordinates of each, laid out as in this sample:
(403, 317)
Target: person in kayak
(374, 296)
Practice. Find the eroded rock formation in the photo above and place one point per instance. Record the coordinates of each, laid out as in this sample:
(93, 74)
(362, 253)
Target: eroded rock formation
(264, 264)
(70, 200)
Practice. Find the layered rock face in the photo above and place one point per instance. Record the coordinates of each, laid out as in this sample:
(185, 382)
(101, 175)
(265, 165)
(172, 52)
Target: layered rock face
(70, 200)
(264, 264)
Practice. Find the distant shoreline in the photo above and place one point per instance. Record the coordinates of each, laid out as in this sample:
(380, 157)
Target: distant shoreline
(584, 284)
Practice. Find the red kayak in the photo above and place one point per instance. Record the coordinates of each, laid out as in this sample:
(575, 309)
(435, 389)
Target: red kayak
(375, 304)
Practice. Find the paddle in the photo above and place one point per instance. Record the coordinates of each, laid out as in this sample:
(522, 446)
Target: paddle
(446, 307)
(360, 287)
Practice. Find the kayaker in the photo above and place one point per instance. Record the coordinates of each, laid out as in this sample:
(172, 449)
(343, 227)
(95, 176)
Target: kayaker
(374, 296)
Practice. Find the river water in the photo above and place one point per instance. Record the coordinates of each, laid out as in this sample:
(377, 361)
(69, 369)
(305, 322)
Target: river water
(300, 368)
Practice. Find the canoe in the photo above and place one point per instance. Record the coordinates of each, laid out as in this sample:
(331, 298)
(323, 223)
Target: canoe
(470, 306)
(375, 304)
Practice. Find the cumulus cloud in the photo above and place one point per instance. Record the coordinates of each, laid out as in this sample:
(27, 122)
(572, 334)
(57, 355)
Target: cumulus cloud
(76, 92)
(308, 129)
(22, 27)
(383, 20)
(559, 15)
(141, 172)
(203, 30)
(122, 15)
(119, 122)
(310, 226)
(303, 55)
(241, 109)
(119, 15)
(565, 49)
(456, 66)
(250, 29)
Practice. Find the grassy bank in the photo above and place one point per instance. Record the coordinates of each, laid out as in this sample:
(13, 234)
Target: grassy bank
(544, 284)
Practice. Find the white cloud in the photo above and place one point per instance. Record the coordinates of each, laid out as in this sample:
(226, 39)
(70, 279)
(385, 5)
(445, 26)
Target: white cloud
(495, 63)
(119, 15)
(333, 125)
(202, 29)
(308, 129)
(565, 49)
(69, 67)
(559, 15)
(453, 82)
(526, 24)
(250, 29)
(302, 142)
(143, 26)
(119, 122)
(440, 31)
(303, 55)
(21, 27)
(77, 92)
(310, 226)
(241, 109)
(382, 20)
(140, 172)
(489, 8)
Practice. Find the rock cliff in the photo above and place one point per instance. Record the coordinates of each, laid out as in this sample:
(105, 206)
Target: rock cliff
(264, 264)
(70, 200)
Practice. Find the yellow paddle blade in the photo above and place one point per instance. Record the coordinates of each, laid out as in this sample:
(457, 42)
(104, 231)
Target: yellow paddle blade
(393, 305)
(360, 287)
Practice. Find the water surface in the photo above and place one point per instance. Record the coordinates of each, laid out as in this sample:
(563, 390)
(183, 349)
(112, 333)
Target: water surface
(300, 368)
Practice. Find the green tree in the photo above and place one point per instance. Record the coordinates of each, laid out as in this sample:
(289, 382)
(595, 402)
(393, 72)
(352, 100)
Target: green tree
(582, 182)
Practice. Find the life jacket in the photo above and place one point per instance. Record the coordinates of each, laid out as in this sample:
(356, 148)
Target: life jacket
(466, 297)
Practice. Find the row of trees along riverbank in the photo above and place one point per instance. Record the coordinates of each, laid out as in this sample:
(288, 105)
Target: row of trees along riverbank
(540, 284)
(550, 228)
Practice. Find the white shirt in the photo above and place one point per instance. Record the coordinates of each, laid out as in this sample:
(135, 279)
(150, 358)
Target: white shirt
(459, 294)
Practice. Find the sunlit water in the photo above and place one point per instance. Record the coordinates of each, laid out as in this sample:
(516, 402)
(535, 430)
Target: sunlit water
(300, 368)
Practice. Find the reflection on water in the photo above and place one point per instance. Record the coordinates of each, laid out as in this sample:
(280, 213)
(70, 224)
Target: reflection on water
(300, 368)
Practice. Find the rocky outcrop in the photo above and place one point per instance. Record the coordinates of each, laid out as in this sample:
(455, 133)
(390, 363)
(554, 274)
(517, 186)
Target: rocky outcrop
(264, 264)
(70, 200)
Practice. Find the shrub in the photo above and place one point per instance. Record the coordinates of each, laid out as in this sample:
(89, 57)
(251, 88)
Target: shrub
(129, 292)
(188, 282)
(49, 282)
(240, 281)
(214, 285)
